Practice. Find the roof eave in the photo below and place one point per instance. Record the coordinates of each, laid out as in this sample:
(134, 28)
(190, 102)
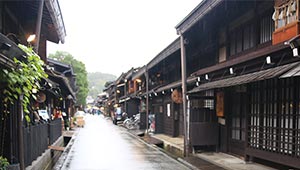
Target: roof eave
(56, 16)
(196, 14)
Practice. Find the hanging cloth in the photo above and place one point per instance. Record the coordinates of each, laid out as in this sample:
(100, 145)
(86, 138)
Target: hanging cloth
(293, 6)
(275, 14)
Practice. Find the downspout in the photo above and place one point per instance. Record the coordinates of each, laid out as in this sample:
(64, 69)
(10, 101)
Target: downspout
(38, 26)
(184, 98)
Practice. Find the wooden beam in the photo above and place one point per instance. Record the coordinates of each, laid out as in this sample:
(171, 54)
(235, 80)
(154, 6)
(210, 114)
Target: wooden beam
(254, 54)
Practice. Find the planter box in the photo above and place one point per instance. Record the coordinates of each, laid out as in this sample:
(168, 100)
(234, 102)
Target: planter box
(285, 33)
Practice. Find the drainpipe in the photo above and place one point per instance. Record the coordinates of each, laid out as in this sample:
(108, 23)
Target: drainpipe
(39, 25)
(20, 132)
(147, 99)
(184, 98)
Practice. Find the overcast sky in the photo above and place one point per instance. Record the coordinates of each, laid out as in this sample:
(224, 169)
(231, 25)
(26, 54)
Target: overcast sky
(111, 36)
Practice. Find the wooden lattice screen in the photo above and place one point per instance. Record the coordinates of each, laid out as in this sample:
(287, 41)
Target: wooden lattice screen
(274, 119)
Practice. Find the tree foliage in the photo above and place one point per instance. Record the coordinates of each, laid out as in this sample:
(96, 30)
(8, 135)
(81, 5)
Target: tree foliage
(80, 71)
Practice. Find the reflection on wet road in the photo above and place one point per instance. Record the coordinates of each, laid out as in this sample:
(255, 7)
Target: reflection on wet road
(104, 146)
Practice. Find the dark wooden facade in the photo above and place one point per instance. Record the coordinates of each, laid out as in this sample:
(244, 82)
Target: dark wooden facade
(164, 73)
(254, 111)
(18, 19)
(242, 80)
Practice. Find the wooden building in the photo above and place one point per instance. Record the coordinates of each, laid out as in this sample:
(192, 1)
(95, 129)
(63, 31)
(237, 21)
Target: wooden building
(110, 89)
(163, 72)
(65, 79)
(18, 20)
(244, 56)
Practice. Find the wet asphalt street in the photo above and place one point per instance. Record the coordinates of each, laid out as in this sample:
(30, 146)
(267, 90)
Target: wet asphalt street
(103, 146)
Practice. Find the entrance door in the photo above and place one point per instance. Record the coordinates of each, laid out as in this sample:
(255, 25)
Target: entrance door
(159, 118)
(178, 125)
(237, 123)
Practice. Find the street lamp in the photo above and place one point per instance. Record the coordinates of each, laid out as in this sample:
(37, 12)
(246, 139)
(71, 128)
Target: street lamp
(31, 38)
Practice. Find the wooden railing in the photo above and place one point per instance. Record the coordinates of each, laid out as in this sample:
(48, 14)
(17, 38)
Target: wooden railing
(55, 130)
(35, 142)
(38, 137)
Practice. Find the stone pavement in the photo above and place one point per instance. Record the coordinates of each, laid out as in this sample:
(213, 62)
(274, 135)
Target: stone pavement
(207, 161)
(230, 162)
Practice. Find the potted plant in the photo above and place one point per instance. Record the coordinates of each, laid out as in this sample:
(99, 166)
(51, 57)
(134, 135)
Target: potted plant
(3, 163)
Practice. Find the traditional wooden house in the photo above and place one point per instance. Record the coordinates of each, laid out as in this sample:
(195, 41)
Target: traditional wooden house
(65, 78)
(126, 93)
(121, 92)
(139, 96)
(110, 90)
(18, 20)
(131, 99)
(101, 100)
(164, 90)
(244, 56)
(139, 77)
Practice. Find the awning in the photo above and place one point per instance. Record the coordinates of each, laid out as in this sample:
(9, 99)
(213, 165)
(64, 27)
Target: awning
(176, 84)
(129, 97)
(247, 78)
(292, 73)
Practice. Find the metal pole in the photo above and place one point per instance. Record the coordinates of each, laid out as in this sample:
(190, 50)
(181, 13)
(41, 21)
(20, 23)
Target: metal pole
(20, 133)
(38, 26)
(184, 100)
(147, 98)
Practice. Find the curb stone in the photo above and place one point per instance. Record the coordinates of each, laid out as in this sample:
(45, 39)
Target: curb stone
(187, 164)
(61, 161)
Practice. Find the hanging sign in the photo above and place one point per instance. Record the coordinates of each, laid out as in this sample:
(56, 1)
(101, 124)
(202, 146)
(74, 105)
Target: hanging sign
(40, 97)
(220, 104)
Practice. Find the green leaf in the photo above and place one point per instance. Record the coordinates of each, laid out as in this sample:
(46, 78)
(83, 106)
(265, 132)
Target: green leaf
(5, 71)
(27, 118)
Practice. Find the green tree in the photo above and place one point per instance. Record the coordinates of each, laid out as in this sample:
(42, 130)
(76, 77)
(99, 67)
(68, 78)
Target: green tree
(80, 71)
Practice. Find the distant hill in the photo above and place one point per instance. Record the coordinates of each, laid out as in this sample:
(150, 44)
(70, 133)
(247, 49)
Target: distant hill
(97, 81)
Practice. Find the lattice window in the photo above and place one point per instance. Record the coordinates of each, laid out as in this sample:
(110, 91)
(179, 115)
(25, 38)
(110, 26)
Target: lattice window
(274, 121)
(238, 121)
(242, 38)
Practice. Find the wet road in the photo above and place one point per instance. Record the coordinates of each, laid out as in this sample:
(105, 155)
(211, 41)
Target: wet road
(103, 146)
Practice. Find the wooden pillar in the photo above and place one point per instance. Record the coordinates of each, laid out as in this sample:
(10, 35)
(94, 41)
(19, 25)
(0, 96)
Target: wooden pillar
(184, 98)
(38, 26)
(42, 52)
(20, 133)
(147, 98)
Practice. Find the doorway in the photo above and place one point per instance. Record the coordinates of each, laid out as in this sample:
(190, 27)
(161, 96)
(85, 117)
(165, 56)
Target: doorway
(237, 108)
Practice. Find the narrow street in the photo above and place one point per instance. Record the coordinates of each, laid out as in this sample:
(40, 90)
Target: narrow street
(104, 146)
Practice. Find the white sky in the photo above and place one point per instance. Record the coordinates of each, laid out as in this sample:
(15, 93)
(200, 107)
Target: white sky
(111, 36)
